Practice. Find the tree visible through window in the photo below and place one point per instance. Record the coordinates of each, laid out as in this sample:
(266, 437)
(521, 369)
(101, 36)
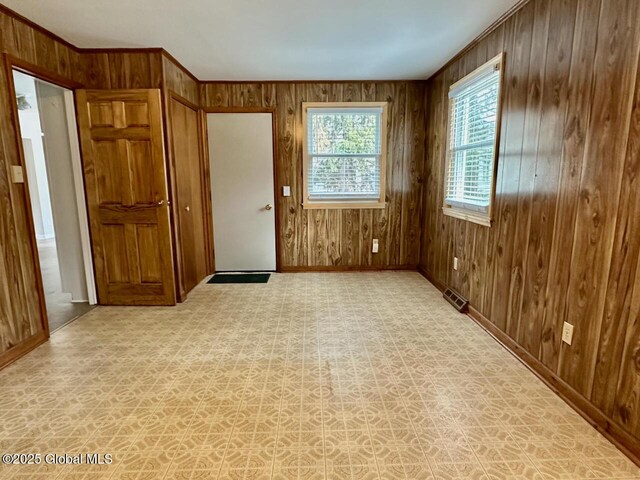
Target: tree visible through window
(473, 132)
(344, 156)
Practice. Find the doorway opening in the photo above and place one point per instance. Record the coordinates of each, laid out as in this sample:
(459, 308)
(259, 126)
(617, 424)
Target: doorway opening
(241, 155)
(53, 167)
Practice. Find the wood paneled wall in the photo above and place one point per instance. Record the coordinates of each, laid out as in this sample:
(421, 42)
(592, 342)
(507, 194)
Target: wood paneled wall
(185, 157)
(21, 323)
(106, 69)
(565, 241)
(327, 239)
(179, 81)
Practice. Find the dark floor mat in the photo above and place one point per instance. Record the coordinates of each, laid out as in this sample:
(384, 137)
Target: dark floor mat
(240, 278)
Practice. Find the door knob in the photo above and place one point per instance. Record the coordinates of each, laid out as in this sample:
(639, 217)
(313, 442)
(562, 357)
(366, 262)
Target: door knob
(268, 206)
(187, 208)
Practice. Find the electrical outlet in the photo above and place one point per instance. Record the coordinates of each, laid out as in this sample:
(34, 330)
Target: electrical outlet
(567, 333)
(17, 174)
(286, 191)
(455, 263)
(375, 247)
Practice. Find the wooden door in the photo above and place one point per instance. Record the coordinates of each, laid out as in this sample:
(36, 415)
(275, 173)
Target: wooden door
(189, 177)
(124, 167)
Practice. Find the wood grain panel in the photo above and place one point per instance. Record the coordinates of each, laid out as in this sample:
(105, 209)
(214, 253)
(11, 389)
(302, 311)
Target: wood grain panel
(24, 318)
(122, 69)
(179, 81)
(622, 396)
(122, 224)
(336, 238)
(192, 235)
(565, 241)
(607, 136)
(547, 171)
(575, 126)
(190, 196)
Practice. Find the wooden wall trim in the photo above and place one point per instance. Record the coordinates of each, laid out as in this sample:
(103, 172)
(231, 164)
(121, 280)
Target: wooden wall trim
(348, 268)
(12, 13)
(41, 73)
(431, 279)
(184, 101)
(206, 191)
(598, 420)
(172, 191)
(120, 50)
(173, 59)
(271, 110)
(9, 356)
(26, 199)
(488, 31)
(303, 82)
(276, 188)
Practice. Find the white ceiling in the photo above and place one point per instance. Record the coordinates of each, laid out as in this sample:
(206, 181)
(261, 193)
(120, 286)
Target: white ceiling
(278, 39)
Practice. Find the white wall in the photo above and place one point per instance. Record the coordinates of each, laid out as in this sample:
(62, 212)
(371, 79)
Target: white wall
(31, 129)
(59, 171)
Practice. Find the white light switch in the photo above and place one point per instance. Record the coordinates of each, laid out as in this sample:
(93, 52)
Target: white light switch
(375, 246)
(456, 263)
(286, 191)
(17, 174)
(567, 333)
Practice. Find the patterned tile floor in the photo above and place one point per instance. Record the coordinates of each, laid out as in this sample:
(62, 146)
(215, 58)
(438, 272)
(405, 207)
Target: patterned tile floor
(311, 376)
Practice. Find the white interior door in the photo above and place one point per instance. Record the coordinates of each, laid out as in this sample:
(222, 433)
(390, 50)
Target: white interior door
(242, 191)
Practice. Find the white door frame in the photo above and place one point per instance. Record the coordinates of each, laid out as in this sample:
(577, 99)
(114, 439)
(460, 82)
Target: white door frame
(81, 201)
(272, 112)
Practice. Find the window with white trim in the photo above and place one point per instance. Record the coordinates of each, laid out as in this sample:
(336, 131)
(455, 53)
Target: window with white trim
(474, 115)
(344, 154)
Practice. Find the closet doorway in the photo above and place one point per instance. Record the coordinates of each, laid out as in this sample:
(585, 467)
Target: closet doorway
(53, 168)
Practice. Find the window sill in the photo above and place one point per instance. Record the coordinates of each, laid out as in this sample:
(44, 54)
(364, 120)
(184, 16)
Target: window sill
(467, 215)
(342, 205)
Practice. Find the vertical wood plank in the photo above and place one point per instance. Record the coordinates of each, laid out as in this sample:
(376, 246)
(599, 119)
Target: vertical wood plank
(626, 409)
(574, 132)
(618, 318)
(527, 170)
(600, 187)
(413, 176)
(547, 171)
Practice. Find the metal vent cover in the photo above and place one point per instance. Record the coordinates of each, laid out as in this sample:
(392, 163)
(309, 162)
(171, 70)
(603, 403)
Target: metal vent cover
(458, 301)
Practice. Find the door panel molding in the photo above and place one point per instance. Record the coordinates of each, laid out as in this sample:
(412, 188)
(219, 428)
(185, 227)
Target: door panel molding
(190, 176)
(126, 185)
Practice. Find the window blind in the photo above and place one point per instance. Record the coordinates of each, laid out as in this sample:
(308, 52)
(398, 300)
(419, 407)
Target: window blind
(472, 137)
(344, 149)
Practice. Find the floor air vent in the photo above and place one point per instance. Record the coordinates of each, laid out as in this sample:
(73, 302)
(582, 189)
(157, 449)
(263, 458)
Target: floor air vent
(455, 299)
